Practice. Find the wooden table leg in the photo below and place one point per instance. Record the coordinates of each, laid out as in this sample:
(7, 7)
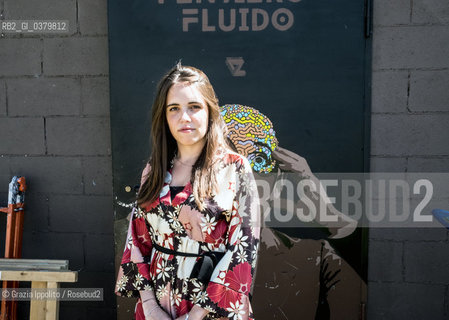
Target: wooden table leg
(52, 305)
(38, 307)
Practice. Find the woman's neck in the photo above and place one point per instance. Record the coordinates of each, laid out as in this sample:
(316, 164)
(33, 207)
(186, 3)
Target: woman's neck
(189, 154)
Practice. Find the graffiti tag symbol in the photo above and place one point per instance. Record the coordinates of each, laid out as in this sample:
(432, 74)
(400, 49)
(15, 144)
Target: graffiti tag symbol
(235, 66)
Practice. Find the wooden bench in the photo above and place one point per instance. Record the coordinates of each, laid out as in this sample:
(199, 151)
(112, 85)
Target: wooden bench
(43, 274)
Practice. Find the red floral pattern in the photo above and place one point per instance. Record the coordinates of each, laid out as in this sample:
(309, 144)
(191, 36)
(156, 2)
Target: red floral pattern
(226, 225)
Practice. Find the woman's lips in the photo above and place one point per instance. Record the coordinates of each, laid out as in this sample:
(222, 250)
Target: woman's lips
(186, 130)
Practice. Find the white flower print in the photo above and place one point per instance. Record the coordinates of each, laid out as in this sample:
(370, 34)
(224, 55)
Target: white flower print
(177, 226)
(124, 279)
(121, 284)
(171, 216)
(129, 242)
(254, 255)
(177, 209)
(147, 287)
(200, 297)
(244, 181)
(208, 224)
(161, 292)
(176, 296)
(194, 298)
(139, 212)
(241, 256)
(162, 270)
(209, 308)
(138, 280)
(242, 208)
(241, 241)
(184, 287)
(197, 285)
(236, 311)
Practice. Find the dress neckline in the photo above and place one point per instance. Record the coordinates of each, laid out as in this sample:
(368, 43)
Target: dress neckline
(180, 197)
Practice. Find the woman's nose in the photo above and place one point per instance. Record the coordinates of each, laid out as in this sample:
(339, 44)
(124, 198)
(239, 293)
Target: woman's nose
(185, 115)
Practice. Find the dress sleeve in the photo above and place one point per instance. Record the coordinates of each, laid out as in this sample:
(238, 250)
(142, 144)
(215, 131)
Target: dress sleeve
(230, 285)
(134, 270)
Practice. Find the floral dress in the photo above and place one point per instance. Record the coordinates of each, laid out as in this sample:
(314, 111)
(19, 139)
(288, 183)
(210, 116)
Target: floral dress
(229, 223)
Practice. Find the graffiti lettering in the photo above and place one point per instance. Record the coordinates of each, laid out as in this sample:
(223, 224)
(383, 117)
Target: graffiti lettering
(242, 19)
(229, 1)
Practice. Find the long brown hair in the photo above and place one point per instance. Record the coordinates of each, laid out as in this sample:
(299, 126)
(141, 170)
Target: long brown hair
(164, 146)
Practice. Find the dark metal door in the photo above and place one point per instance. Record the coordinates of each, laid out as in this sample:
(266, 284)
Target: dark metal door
(303, 63)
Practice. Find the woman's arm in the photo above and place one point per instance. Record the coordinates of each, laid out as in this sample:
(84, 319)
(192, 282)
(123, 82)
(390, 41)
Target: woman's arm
(151, 309)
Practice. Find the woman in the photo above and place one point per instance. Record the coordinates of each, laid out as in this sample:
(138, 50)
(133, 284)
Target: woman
(194, 233)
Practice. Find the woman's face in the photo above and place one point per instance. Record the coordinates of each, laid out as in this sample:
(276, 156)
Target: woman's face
(187, 115)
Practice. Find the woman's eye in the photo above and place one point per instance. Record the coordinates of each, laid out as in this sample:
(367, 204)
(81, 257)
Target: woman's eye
(172, 108)
(196, 106)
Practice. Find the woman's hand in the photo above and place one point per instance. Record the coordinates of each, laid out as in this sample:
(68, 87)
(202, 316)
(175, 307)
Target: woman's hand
(196, 313)
(151, 309)
(157, 314)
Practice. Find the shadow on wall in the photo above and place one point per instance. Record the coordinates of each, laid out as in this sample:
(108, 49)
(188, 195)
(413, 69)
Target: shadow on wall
(299, 269)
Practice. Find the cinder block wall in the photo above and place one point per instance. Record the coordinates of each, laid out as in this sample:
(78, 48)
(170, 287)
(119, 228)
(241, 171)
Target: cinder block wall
(54, 130)
(408, 268)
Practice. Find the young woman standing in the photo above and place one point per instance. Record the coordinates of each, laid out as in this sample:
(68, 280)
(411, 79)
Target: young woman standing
(194, 233)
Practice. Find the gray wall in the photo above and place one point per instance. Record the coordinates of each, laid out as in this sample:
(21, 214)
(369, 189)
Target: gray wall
(54, 129)
(54, 98)
(408, 268)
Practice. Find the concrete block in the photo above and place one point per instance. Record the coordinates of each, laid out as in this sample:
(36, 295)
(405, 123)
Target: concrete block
(76, 56)
(389, 91)
(418, 164)
(4, 203)
(385, 261)
(411, 47)
(388, 13)
(3, 110)
(50, 174)
(50, 245)
(436, 258)
(383, 164)
(78, 213)
(400, 135)
(99, 250)
(70, 312)
(36, 214)
(5, 175)
(409, 234)
(92, 16)
(95, 96)
(429, 91)
(405, 301)
(42, 10)
(44, 96)
(103, 313)
(447, 301)
(97, 175)
(78, 136)
(22, 136)
(104, 280)
(430, 11)
(20, 57)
